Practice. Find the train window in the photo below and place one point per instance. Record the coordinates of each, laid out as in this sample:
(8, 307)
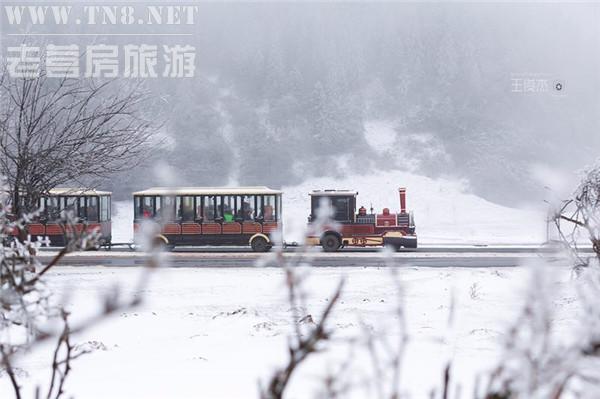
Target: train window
(341, 208)
(187, 208)
(92, 209)
(137, 208)
(209, 207)
(239, 208)
(70, 204)
(269, 208)
(248, 207)
(199, 207)
(167, 210)
(229, 208)
(317, 203)
(157, 205)
(104, 213)
(278, 213)
(52, 207)
(218, 206)
(109, 200)
(81, 209)
(259, 207)
(147, 206)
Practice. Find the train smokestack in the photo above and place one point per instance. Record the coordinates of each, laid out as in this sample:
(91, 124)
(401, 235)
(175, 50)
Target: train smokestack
(402, 192)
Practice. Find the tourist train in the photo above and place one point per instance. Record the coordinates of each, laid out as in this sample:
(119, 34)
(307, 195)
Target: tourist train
(226, 216)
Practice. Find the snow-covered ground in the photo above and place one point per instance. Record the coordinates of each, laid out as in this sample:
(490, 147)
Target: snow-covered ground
(215, 333)
(445, 213)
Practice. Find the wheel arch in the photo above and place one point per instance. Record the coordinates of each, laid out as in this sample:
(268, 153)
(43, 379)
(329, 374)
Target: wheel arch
(163, 238)
(266, 237)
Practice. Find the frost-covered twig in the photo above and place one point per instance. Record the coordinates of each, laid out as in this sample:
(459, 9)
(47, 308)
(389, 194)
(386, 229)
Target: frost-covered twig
(300, 348)
(26, 311)
(582, 213)
(305, 342)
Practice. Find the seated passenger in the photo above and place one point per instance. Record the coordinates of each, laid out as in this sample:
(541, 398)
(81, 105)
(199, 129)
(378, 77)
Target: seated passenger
(188, 212)
(227, 214)
(362, 211)
(248, 211)
(268, 212)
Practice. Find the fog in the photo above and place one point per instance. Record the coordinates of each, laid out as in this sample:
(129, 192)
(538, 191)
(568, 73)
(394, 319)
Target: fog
(286, 91)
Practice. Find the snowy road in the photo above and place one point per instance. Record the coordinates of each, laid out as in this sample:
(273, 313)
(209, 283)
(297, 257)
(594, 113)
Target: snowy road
(318, 259)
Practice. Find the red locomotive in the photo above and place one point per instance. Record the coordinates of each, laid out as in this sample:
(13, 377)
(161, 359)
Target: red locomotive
(348, 228)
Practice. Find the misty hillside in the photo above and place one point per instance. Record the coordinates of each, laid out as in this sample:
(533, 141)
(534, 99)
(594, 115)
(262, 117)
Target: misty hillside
(285, 92)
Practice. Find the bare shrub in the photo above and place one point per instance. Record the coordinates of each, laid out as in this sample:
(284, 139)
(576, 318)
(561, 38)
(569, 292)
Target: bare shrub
(27, 313)
(582, 212)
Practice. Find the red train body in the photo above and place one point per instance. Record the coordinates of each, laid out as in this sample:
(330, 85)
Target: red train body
(211, 215)
(92, 208)
(229, 216)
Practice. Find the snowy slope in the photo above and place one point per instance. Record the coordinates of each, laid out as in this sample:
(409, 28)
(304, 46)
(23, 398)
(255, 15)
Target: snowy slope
(444, 211)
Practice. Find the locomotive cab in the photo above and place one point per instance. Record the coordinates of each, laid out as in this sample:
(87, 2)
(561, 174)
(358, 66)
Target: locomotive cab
(342, 204)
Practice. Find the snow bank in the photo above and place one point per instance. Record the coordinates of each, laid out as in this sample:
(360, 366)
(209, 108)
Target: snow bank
(444, 211)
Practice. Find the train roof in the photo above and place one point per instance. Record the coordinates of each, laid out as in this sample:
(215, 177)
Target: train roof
(77, 191)
(253, 190)
(333, 193)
